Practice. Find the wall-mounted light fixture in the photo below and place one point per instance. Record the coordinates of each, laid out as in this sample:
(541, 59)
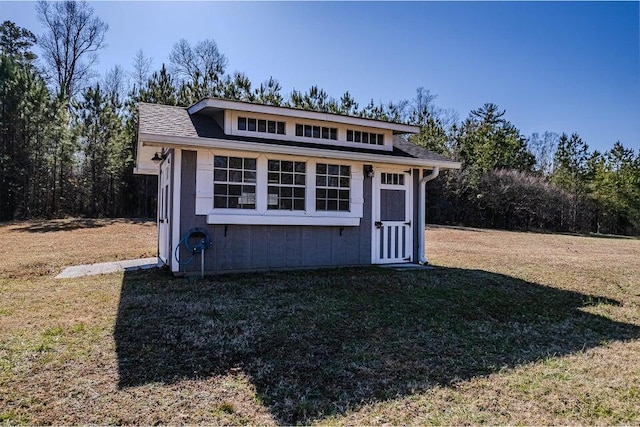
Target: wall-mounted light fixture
(368, 171)
(157, 157)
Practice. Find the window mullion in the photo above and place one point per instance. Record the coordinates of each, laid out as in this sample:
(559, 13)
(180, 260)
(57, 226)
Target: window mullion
(310, 203)
(261, 185)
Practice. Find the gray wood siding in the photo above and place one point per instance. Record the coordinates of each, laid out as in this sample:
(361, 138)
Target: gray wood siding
(392, 205)
(258, 247)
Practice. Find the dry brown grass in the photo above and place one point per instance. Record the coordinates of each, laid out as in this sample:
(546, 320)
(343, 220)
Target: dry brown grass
(41, 248)
(511, 328)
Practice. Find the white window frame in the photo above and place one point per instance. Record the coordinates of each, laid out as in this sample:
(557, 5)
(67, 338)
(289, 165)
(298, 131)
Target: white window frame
(293, 186)
(231, 128)
(264, 216)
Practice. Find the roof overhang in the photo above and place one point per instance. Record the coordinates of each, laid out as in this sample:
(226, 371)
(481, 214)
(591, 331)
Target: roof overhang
(223, 104)
(212, 143)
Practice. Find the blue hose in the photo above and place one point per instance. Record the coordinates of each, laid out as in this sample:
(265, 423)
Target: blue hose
(203, 243)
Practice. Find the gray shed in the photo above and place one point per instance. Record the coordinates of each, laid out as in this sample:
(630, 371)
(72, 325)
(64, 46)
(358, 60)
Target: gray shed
(282, 188)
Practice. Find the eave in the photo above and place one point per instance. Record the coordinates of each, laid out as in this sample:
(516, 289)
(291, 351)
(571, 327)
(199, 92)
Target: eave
(212, 143)
(222, 104)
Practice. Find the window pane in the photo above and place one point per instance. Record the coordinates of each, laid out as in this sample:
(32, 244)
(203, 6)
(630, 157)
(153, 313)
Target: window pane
(299, 179)
(333, 169)
(321, 205)
(372, 138)
(333, 181)
(307, 131)
(220, 189)
(220, 161)
(262, 125)
(281, 128)
(249, 176)
(220, 175)
(251, 125)
(299, 130)
(350, 135)
(242, 123)
(343, 206)
(298, 205)
(301, 167)
(298, 192)
(325, 133)
(321, 180)
(274, 165)
(287, 178)
(332, 205)
(345, 170)
(250, 164)
(356, 136)
(380, 139)
(271, 126)
(321, 168)
(344, 182)
(334, 133)
(235, 162)
(274, 178)
(316, 131)
(219, 202)
(365, 137)
(286, 166)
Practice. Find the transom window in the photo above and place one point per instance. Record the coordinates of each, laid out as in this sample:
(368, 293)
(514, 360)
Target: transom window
(318, 132)
(332, 187)
(392, 178)
(365, 137)
(287, 181)
(260, 125)
(234, 182)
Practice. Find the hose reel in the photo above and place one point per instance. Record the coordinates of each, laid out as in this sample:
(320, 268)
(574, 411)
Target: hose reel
(196, 241)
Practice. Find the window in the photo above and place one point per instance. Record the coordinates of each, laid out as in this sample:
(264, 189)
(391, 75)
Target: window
(365, 137)
(332, 187)
(260, 125)
(234, 182)
(392, 178)
(287, 182)
(318, 132)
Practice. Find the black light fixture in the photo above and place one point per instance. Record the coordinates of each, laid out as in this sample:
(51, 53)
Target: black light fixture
(368, 171)
(157, 158)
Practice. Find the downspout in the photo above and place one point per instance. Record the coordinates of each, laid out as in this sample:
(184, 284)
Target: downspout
(422, 259)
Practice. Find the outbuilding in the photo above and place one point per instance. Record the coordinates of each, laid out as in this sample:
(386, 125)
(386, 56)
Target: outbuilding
(282, 188)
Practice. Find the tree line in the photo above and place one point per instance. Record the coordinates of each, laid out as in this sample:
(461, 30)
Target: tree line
(68, 137)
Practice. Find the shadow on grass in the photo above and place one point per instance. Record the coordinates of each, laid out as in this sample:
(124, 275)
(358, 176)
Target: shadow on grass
(317, 343)
(73, 224)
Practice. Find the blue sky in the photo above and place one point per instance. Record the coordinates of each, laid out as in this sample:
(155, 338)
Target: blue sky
(557, 66)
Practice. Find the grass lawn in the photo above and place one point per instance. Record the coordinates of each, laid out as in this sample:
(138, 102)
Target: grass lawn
(509, 328)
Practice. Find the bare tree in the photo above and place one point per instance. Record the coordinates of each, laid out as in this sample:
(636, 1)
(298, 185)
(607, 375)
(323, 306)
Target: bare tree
(115, 83)
(544, 148)
(72, 37)
(192, 63)
(141, 69)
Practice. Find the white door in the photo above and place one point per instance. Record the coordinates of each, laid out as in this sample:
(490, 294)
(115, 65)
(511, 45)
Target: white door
(392, 212)
(164, 211)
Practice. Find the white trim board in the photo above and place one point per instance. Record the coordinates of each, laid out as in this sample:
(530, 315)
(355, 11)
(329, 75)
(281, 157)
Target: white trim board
(302, 114)
(211, 143)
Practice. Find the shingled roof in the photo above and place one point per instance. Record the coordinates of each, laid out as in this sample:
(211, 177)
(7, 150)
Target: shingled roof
(166, 120)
